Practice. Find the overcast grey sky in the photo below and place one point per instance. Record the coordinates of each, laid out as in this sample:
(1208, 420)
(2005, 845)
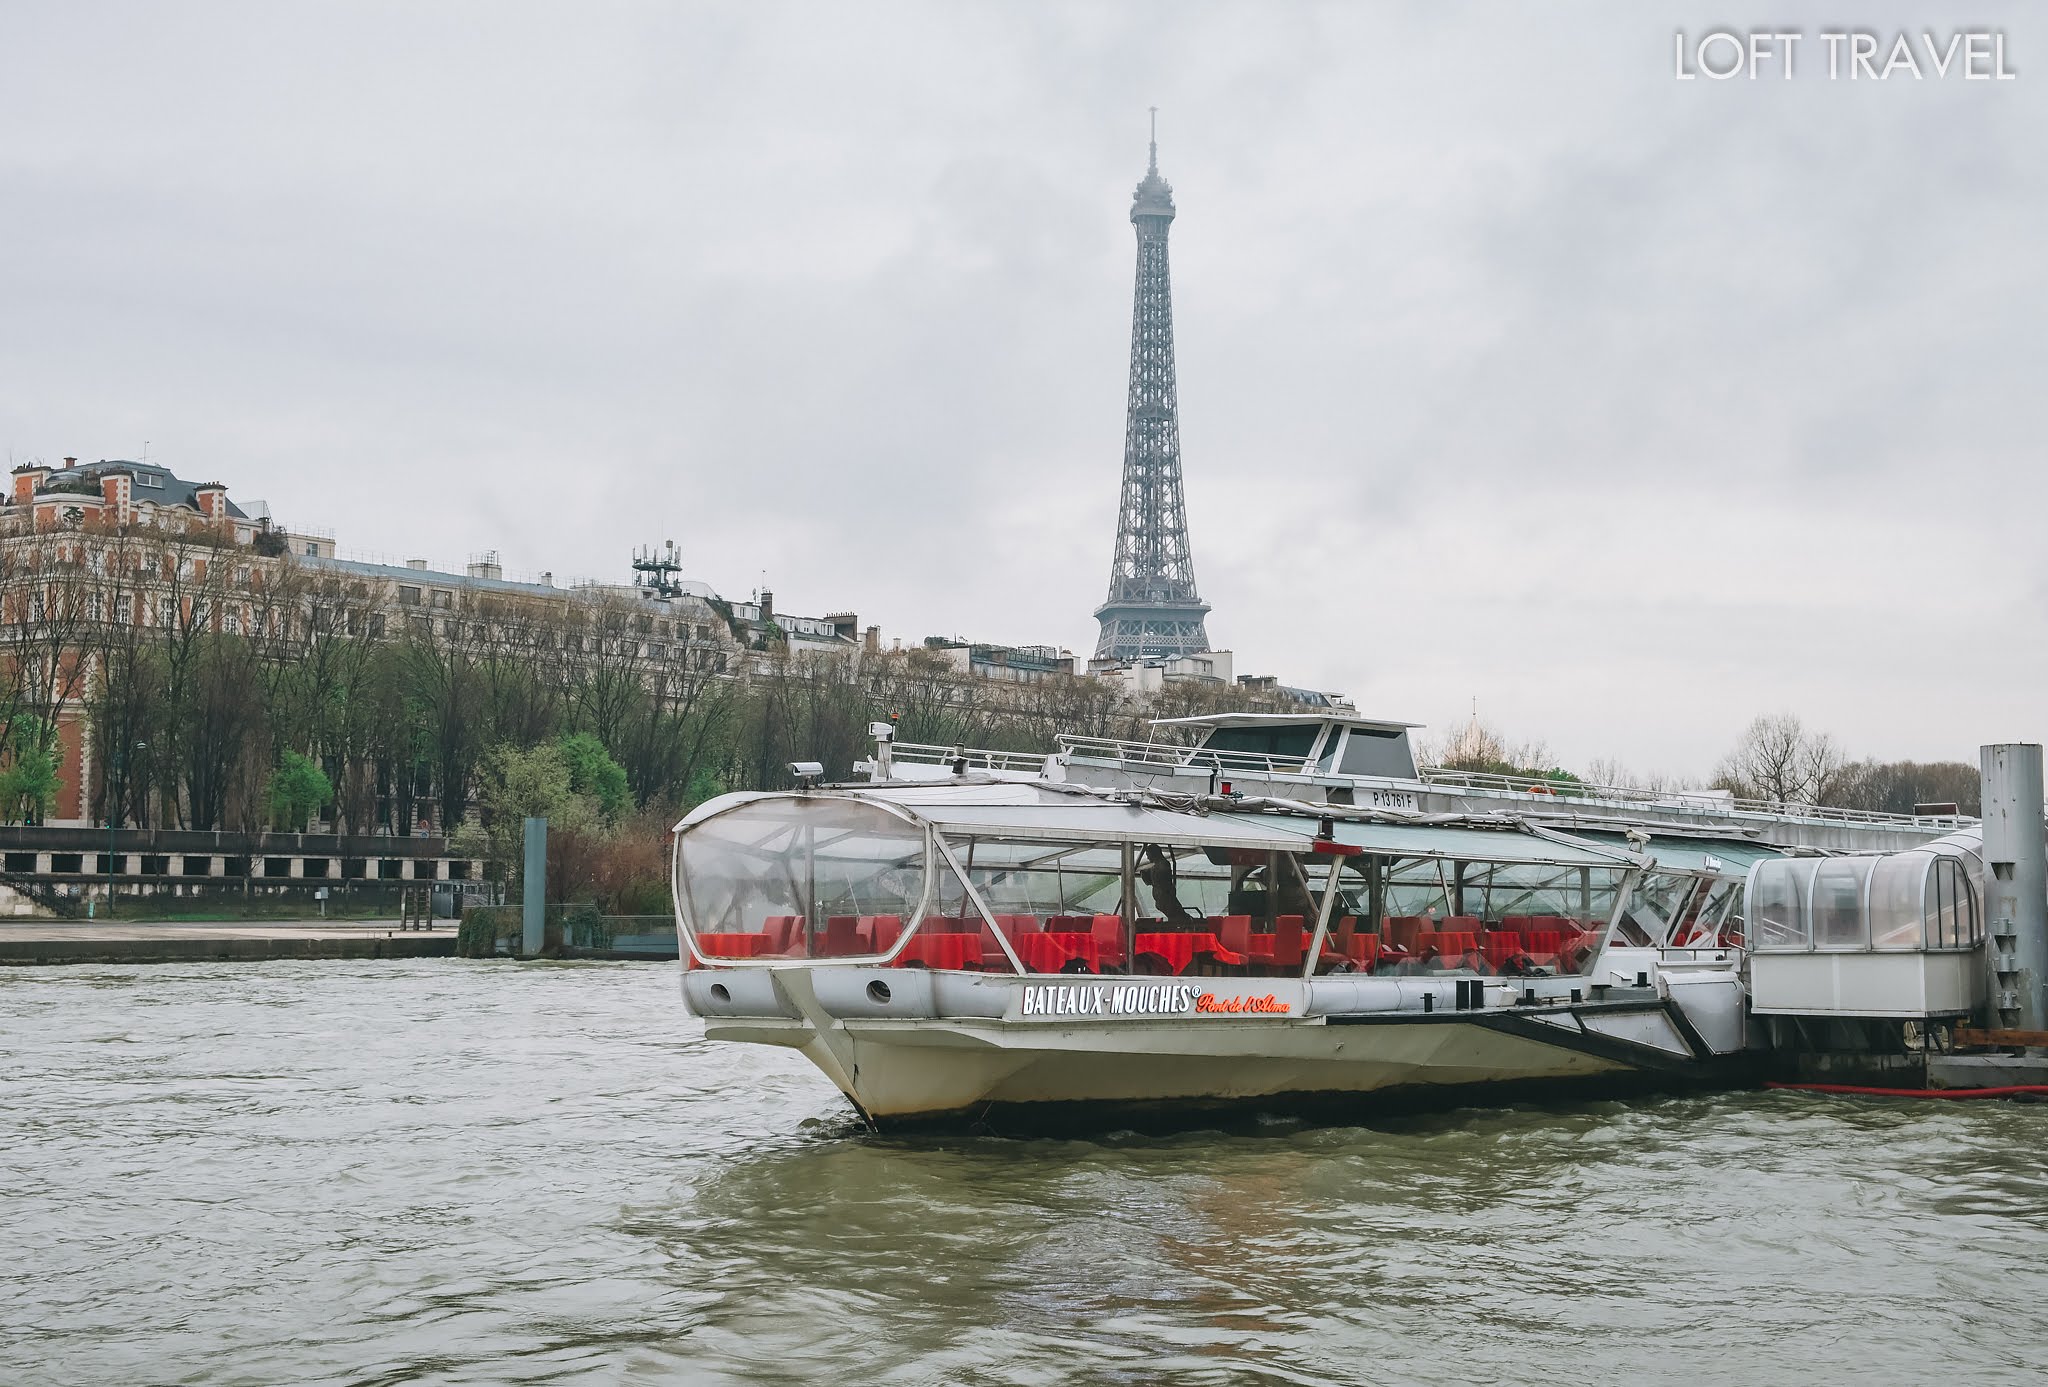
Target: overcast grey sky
(1511, 368)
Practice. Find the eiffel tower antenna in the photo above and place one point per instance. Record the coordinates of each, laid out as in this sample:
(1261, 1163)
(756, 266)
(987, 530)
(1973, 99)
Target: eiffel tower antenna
(1152, 609)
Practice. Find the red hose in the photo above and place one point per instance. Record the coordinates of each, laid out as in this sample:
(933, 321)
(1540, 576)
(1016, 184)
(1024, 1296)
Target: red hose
(2009, 1091)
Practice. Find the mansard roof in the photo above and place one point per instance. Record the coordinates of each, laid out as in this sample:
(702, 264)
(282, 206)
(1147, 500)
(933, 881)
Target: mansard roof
(152, 483)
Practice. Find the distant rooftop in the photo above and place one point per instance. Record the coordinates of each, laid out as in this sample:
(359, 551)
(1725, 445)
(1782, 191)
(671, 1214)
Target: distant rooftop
(158, 485)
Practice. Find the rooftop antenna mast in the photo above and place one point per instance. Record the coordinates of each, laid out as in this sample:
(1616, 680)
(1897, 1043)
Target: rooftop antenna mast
(655, 569)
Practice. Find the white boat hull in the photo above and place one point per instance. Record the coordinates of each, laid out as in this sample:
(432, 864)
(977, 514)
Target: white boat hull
(899, 1072)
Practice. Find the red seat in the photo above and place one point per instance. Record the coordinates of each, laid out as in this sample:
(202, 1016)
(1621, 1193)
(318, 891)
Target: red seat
(879, 933)
(842, 937)
(1544, 944)
(1109, 940)
(1500, 946)
(1456, 945)
(1236, 933)
(1363, 949)
(785, 935)
(1461, 924)
(1290, 942)
(1402, 929)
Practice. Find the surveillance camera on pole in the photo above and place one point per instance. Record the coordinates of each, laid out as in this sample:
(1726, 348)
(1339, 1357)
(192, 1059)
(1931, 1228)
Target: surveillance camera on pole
(883, 767)
(807, 773)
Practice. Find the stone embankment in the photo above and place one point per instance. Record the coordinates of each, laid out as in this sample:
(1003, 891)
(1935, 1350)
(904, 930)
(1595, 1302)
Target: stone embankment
(61, 941)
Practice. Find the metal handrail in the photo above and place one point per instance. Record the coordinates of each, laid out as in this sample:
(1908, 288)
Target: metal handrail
(1681, 800)
(1169, 754)
(978, 758)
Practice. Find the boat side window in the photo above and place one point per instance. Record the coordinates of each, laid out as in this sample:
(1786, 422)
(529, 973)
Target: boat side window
(1290, 741)
(1838, 921)
(1326, 759)
(1182, 887)
(1897, 908)
(793, 878)
(1657, 905)
(1033, 878)
(1951, 907)
(1777, 903)
(1372, 751)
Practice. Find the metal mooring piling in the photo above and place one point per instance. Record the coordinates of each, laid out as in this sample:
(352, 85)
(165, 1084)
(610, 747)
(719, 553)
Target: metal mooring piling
(2015, 885)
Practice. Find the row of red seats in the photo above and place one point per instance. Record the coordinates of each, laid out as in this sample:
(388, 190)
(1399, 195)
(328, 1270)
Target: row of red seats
(1095, 942)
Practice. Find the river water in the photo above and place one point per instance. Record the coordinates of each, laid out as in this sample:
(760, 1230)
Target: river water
(453, 1172)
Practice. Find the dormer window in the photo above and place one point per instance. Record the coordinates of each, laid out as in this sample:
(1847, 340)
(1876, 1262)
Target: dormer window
(147, 479)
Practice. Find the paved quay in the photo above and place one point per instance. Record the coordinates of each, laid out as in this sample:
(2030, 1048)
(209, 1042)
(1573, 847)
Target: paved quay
(126, 941)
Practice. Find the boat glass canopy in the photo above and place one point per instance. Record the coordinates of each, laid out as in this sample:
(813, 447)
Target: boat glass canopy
(1924, 898)
(1015, 877)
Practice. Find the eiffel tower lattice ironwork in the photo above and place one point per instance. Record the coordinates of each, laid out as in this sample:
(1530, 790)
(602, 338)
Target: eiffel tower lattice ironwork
(1152, 609)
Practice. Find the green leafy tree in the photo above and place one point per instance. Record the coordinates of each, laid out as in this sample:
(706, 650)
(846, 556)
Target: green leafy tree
(594, 775)
(28, 787)
(297, 789)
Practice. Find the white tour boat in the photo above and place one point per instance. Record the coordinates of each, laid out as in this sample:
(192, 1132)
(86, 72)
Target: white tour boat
(1007, 944)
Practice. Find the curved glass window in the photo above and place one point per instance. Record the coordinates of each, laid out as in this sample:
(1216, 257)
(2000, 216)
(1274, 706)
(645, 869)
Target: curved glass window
(1896, 906)
(1951, 903)
(1777, 903)
(1838, 903)
(800, 878)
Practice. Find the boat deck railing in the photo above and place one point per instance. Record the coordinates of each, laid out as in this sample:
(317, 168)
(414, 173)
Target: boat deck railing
(1169, 756)
(977, 758)
(1682, 801)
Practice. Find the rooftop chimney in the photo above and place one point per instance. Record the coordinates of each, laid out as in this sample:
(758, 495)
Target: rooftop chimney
(420, 564)
(71, 462)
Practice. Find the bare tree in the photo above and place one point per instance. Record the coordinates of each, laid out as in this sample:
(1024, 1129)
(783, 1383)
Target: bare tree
(1474, 746)
(1779, 760)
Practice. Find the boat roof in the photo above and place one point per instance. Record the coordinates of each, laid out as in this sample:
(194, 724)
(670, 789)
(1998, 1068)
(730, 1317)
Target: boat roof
(1687, 853)
(1037, 810)
(1267, 719)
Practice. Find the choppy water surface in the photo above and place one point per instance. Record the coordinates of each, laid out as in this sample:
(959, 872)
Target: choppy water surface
(442, 1171)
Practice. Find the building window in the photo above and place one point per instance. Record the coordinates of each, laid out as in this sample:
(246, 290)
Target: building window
(231, 621)
(443, 599)
(167, 611)
(421, 625)
(146, 479)
(312, 550)
(657, 652)
(242, 576)
(408, 597)
(95, 607)
(376, 625)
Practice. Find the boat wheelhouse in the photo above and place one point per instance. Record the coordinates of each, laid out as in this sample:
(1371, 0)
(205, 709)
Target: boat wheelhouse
(1010, 950)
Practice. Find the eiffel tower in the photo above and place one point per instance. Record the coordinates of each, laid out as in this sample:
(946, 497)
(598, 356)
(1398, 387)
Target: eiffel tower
(1152, 609)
